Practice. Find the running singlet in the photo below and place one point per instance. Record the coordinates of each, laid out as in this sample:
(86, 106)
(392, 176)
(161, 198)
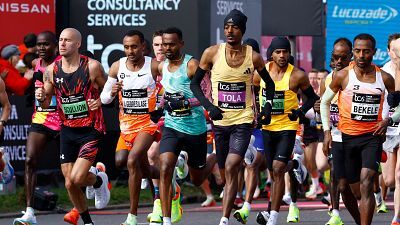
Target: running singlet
(188, 120)
(49, 117)
(232, 89)
(284, 101)
(137, 97)
(73, 90)
(360, 104)
(392, 129)
(334, 113)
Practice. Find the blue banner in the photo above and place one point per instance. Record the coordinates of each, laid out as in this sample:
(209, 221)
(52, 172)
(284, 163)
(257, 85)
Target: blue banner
(348, 18)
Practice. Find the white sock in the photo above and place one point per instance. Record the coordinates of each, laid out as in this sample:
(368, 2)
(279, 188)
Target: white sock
(273, 217)
(224, 221)
(335, 212)
(293, 204)
(166, 221)
(210, 196)
(30, 210)
(237, 195)
(315, 182)
(247, 205)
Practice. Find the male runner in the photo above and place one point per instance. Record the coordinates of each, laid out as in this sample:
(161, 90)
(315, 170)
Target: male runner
(77, 81)
(361, 90)
(341, 57)
(132, 78)
(46, 123)
(184, 124)
(391, 169)
(232, 65)
(280, 135)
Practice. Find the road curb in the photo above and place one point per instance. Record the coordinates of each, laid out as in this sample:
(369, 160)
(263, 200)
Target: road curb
(185, 200)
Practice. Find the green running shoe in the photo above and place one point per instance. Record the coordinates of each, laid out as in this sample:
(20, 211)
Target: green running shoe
(382, 208)
(293, 215)
(156, 215)
(130, 220)
(242, 215)
(335, 220)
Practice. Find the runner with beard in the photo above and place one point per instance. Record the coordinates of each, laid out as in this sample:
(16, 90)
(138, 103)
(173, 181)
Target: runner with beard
(232, 110)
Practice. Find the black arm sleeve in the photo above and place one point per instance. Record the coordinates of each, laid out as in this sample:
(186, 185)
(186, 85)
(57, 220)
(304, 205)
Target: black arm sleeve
(311, 99)
(269, 83)
(196, 89)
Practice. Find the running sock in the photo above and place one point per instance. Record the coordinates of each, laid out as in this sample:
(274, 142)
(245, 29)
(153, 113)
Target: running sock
(247, 205)
(86, 217)
(315, 182)
(237, 195)
(378, 196)
(224, 221)
(293, 204)
(166, 221)
(156, 192)
(30, 210)
(98, 182)
(335, 212)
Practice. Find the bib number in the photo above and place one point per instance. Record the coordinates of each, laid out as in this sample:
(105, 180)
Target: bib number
(135, 101)
(74, 106)
(232, 95)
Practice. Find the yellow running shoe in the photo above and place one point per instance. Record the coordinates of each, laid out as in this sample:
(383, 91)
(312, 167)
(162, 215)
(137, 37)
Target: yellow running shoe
(293, 215)
(176, 210)
(242, 215)
(156, 215)
(382, 208)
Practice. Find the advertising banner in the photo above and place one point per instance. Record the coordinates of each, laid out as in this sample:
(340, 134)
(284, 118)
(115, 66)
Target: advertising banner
(349, 18)
(103, 23)
(20, 17)
(221, 8)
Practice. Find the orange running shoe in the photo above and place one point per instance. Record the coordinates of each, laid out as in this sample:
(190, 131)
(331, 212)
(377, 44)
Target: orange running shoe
(395, 223)
(72, 217)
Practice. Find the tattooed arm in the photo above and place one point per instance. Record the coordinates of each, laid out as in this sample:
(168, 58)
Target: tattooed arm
(44, 93)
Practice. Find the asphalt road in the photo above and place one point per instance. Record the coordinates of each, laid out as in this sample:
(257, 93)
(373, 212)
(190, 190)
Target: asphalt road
(311, 213)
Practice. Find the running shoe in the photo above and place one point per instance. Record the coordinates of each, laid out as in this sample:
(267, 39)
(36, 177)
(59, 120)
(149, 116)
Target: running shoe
(72, 217)
(183, 170)
(242, 215)
(335, 220)
(395, 223)
(262, 217)
(209, 202)
(26, 219)
(313, 192)
(130, 220)
(238, 203)
(176, 209)
(102, 194)
(326, 199)
(156, 215)
(382, 208)
(286, 199)
(300, 171)
(293, 215)
(8, 172)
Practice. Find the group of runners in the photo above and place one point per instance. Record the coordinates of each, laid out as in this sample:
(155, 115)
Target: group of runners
(162, 118)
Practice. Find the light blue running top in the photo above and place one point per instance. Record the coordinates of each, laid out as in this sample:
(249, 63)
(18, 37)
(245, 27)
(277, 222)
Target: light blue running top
(189, 120)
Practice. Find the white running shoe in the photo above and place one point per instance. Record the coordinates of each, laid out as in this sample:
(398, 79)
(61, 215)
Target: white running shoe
(300, 172)
(262, 217)
(89, 189)
(182, 170)
(313, 192)
(26, 219)
(102, 194)
(287, 199)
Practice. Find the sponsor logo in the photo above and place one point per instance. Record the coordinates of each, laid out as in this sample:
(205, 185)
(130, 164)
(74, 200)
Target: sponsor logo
(383, 13)
(59, 80)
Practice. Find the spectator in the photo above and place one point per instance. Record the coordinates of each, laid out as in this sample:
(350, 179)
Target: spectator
(29, 45)
(28, 58)
(15, 83)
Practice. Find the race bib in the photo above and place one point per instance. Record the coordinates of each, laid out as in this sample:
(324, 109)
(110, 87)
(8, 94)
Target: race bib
(185, 111)
(52, 106)
(365, 107)
(135, 101)
(334, 117)
(74, 106)
(394, 124)
(278, 104)
(232, 95)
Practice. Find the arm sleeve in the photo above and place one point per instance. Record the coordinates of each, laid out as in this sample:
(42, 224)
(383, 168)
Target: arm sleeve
(324, 107)
(269, 84)
(105, 95)
(396, 114)
(311, 99)
(196, 88)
